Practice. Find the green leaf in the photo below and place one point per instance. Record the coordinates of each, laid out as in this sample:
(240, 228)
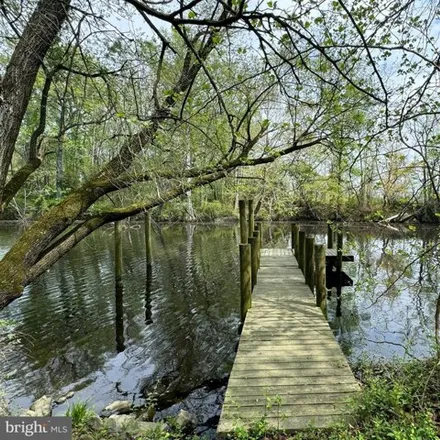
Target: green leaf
(192, 14)
(265, 123)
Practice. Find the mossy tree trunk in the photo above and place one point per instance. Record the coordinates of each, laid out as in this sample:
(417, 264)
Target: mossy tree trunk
(18, 81)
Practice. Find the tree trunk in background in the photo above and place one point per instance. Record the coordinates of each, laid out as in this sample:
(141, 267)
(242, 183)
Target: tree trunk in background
(366, 184)
(59, 163)
(21, 73)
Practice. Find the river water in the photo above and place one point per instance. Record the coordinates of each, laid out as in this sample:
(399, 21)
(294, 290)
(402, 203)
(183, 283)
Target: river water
(173, 331)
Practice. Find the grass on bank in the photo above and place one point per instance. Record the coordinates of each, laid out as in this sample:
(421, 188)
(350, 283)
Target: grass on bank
(80, 413)
(399, 401)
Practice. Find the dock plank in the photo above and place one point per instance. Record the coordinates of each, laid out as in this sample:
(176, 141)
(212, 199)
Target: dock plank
(287, 353)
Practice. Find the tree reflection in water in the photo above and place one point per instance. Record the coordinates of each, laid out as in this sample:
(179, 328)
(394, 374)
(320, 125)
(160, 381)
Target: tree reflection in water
(173, 325)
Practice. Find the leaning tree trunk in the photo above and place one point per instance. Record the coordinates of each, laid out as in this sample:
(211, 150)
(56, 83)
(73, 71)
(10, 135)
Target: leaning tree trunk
(21, 73)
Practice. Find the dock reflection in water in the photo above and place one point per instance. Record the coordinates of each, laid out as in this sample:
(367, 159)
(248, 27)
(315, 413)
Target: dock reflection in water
(173, 326)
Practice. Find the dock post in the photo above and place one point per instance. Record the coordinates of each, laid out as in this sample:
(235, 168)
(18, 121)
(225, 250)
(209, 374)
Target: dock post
(292, 235)
(251, 218)
(339, 251)
(118, 252)
(257, 235)
(321, 290)
(330, 235)
(260, 228)
(254, 261)
(296, 238)
(243, 226)
(245, 279)
(301, 249)
(148, 249)
(310, 262)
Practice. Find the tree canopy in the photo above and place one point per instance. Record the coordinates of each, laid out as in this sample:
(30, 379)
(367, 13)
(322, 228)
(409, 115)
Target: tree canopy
(108, 109)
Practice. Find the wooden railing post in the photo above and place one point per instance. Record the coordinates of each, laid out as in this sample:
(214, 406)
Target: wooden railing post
(118, 252)
(245, 279)
(260, 228)
(254, 261)
(243, 226)
(292, 235)
(148, 249)
(301, 249)
(310, 262)
(296, 238)
(251, 218)
(321, 290)
(257, 235)
(330, 235)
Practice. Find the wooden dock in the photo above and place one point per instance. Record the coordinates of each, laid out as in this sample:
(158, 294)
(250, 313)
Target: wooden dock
(289, 368)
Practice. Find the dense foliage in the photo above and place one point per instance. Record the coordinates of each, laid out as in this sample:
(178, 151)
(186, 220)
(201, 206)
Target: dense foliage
(317, 109)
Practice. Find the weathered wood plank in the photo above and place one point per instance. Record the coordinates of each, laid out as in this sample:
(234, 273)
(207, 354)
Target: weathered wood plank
(281, 342)
(276, 390)
(256, 373)
(289, 381)
(250, 358)
(267, 365)
(287, 425)
(323, 347)
(290, 399)
(283, 410)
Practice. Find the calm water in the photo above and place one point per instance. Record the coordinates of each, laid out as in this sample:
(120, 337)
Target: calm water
(174, 331)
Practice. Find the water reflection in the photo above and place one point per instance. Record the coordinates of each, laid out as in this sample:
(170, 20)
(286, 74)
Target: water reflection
(171, 323)
(392, 307)
(119, 320)
(172, 326)
(148, 290)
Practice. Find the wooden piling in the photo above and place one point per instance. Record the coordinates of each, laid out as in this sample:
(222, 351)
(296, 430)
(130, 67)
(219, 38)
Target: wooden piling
(296, 238)
(245, 279)
(259, 227)
(310, 262)
(118, 252)
(340, 245)
(330, 235)
(243, 225)
(251, 218)
(257, 235)
(254, 260)
(148, 248)
(320, 266)
(301, 249)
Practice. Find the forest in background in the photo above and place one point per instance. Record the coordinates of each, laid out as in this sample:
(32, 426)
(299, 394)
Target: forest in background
(316, 109)
(95, 90)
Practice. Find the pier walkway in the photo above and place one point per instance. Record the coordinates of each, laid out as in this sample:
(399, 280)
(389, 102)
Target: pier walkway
(289, 368)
